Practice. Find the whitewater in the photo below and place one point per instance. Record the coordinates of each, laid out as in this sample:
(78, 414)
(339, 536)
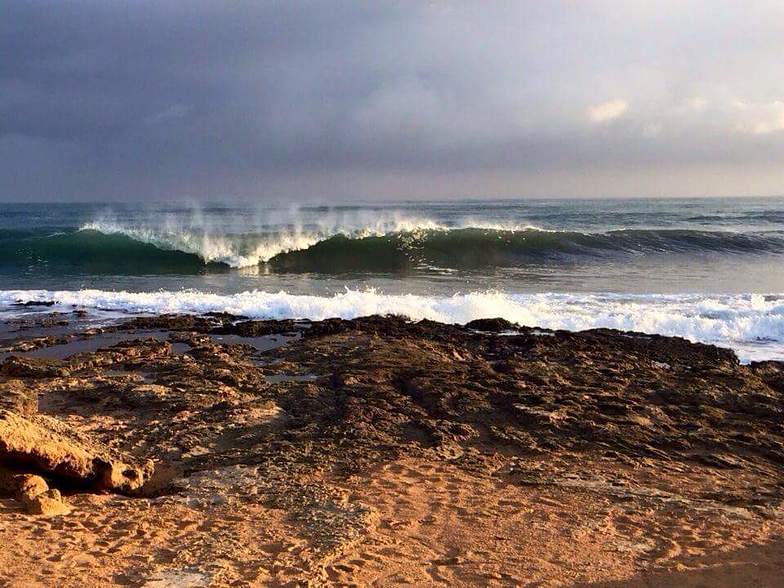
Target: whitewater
(709, 270)
(751, 324)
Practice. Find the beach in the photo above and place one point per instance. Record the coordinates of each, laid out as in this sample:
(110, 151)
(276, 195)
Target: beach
(377, 294)
(212, 450)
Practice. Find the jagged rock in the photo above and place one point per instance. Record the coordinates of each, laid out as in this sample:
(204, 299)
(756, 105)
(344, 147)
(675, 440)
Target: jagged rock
(385, 386)
(494, 325)
(47, 445)
(180, 322)
(256, 328)
(32, 367)
(770, 372)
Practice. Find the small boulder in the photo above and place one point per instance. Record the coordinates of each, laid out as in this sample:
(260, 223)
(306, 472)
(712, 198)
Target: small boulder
(30, 486)
(49, 503)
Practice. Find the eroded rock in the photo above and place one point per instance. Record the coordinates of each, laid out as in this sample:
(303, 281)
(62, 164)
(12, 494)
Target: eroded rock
(47, 445)
(15, 396)
(49, 503)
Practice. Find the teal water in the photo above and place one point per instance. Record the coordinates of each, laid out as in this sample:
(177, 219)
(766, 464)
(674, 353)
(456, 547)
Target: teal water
(706, 269)
(640, 246)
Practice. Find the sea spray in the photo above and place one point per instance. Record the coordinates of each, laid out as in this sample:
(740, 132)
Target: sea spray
(388, 246)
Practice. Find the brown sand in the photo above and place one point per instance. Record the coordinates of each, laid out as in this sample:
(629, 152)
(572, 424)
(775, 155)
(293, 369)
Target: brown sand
(432, 523)
(403, 463)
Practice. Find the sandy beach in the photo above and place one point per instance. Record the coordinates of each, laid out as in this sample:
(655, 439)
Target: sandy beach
(215, 451)
(427, 294)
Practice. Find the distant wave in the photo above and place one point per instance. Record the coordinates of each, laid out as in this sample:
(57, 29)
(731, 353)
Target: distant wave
(752, 324)
(107, 248)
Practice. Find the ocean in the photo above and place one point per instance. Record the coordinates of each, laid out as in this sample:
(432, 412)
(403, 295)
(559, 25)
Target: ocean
(706, 269)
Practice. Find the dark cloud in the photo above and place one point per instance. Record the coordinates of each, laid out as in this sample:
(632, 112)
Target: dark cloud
(152, 99)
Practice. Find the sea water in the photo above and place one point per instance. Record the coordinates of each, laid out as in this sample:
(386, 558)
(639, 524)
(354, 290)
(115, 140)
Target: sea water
(706, 269)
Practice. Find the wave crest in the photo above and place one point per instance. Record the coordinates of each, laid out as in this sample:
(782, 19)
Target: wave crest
(387, 247)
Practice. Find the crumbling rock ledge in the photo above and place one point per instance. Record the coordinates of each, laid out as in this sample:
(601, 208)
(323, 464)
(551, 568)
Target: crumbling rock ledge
(45, 445)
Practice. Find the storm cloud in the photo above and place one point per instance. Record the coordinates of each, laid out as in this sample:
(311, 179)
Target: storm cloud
(110, 100)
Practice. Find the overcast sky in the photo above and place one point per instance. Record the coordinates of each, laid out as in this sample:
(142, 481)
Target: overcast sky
(329, 100)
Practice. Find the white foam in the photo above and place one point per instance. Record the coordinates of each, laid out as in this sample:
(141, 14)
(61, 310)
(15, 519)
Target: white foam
(211, 247)
(752, 324)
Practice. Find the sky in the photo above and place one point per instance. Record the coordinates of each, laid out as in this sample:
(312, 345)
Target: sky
(315, 100)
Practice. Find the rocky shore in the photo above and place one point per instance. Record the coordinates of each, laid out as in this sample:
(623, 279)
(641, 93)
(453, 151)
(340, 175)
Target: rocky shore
(218, 451)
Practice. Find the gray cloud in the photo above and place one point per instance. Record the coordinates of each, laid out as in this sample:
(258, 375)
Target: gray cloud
(152, 99)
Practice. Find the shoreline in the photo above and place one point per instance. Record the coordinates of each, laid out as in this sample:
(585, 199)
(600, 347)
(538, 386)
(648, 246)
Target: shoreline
(751, 324)
(219, 450)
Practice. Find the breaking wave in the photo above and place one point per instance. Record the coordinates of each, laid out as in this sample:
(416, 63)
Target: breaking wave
(109, 248)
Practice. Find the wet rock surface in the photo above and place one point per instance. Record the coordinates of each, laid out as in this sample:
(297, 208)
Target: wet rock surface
(206, 429)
